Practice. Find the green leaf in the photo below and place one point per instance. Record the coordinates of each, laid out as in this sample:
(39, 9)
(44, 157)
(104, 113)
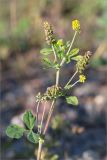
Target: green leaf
(46, 51)
(61, 54)
(33, 137)
(47, 62)
(72, 100)
(74, 52)
(15, 131)
(77, 58)
(59, 50)
(29, 119)
(50, 64)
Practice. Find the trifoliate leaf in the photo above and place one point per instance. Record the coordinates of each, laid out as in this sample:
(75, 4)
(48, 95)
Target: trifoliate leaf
(46, 51)
(33, 137)
(29, 119)
(77, 58)
(15, 131)
(59, 50)
(72, 100)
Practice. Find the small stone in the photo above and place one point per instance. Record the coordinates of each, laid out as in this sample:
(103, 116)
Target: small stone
(90, 155)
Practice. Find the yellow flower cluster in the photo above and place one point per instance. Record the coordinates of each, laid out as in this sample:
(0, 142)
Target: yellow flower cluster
(82, 78)
(76, 25)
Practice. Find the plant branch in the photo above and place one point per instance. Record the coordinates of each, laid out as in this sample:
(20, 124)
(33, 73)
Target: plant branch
(37, 111)
(43, 113)
(49, 117)
(74, 83)
(50, 112)
(52, 105)
(45, 129)
(71, 78)
(54, 52)
(72, 42)
(63, 60)
(57, 77)
(53, 102)
(39, 150)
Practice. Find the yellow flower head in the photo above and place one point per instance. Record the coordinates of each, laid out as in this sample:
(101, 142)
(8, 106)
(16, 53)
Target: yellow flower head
(76, 25)
(82, 78)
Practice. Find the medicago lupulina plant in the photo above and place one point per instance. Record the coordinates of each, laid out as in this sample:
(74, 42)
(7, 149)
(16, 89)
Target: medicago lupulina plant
(62, 53)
